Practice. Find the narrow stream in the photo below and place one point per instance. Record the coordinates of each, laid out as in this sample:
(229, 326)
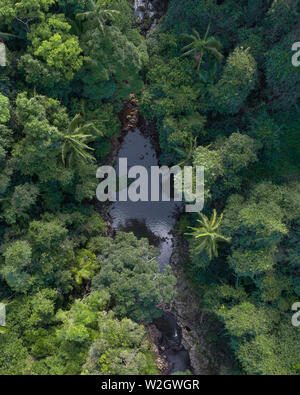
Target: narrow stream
(154, 220)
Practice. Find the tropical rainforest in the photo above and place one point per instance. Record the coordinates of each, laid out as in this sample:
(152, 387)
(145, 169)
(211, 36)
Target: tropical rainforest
(217, 79)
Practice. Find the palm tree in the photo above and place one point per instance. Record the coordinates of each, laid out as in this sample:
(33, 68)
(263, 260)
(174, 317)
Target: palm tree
(75, 140)
(208, 232)
(97, 12)
(188, 152)
(199, 47)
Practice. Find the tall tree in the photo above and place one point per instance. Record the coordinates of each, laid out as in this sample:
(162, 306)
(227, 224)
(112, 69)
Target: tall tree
(207, 232)
(75, 140)
(238, 79)
(130, 273)
(98, 12)
(198, 47)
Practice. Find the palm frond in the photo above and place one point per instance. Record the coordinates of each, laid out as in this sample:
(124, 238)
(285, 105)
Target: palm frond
(213, 218)
(189, 37)
(187, 53)
(216, 54)
(196, 34)
(75, 141)
(207, 32)
(7, 36)
(214, 43)
(74, 123)
(200, 46)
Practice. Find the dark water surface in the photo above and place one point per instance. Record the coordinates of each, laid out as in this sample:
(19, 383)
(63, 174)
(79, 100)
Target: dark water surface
(155, 221)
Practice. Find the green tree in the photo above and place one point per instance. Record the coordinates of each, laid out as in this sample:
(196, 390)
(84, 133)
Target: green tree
(280, 18)
(22, 200)
(282, 79)
(114, 62)
(121, 347)
(130, 273)
(54, 55)
(87, 265)
(246, 319)
(225, 162)
(97, 12)
(17, 260)
(238, 152)
(25, 11)
(198, 47)
(172, 98)
(256, 223)
(208, 234)
(75, 139)
(14, 357)
(44, 235)
(4, 109)
(79, 324)
(238, 79)
(36, 152)
(53, 254)
(77, 330)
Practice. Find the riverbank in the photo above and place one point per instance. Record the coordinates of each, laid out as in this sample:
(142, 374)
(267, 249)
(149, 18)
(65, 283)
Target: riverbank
(186, 309)
(200, 330)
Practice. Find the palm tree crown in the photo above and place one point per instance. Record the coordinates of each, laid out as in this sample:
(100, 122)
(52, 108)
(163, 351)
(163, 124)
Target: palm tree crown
(198, 47)
(75, 140)
(97, 12)
(188, 152)
(208, 233)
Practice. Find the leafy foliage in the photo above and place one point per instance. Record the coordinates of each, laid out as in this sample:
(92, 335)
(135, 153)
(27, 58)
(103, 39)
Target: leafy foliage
(208, 234)
(76, 298)
(198, 47)
(130, 273)
(97, 12)
(237, 81)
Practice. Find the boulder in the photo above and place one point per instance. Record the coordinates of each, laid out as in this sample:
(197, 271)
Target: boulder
(2, 55)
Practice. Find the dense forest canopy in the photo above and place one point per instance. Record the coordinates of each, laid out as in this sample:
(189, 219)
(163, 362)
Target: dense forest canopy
(217, 79)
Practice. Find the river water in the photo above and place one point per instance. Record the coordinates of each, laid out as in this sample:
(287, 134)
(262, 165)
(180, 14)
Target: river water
(155, 221)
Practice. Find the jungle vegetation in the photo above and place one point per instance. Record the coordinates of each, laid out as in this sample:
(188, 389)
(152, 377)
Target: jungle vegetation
(217, 78)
